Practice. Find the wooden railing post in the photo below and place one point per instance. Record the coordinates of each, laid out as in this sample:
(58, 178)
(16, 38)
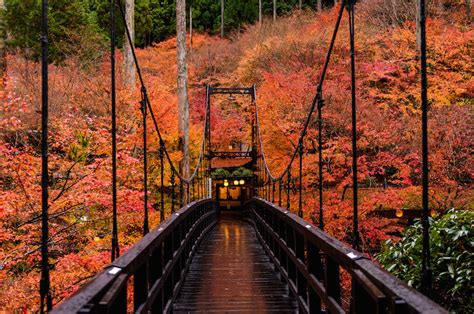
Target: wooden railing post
(119, 305)
(315, 268)
(155, 272)
(140, 285)
(301, 282)
(332, 279)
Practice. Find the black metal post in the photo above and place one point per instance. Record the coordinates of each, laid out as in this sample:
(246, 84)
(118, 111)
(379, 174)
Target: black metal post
(300, 202)
(115, 245)
(208, 126)
(273, 192)
(279, 192)
(193, 191)
(268, 188)
(425, 265)
(260, 179)
(264, 187)
(45, 293)
(356, 236)
(320, 158)
(181, 193)
(288, 201)
(198, 185)
(188, 191)
(143, 108)
(162, 181)
(172, 181)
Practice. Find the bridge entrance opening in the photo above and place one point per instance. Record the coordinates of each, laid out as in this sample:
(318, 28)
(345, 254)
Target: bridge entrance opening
(233, 169)
(231, 194)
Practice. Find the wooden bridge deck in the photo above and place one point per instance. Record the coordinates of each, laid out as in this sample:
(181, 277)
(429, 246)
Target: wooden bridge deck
(231, 273)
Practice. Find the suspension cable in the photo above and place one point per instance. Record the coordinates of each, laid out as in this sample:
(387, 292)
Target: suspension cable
(313, 104)
(320, 160)
(45, 293)
(150, 109)
(143, 106)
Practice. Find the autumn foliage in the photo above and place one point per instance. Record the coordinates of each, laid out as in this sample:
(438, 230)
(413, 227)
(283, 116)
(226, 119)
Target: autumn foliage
(284, 59)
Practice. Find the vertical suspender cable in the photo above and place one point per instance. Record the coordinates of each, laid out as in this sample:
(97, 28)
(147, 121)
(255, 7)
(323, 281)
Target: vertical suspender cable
(273, 192)
(45, 294)
(162, 174)
(143, 108)
(209, 148)
(300, 202)
(320, 158)
(425, 265)
(188, 193)
(181, 193)
(172, 191)
(115, 246)
(288, 200)
(279, 191)
(356, 237)
(199, 183)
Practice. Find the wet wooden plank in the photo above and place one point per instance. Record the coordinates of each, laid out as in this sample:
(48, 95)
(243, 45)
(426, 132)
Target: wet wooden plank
(232, 273)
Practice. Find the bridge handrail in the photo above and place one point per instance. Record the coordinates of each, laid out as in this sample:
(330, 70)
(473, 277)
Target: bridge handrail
(305, 256)
(157, 263)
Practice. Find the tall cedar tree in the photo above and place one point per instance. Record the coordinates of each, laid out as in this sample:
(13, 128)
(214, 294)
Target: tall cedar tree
(183, 106)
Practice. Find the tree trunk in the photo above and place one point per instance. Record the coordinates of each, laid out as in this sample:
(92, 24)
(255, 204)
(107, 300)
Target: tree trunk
(128, 56)
(183, 108)
(300, 4)
(395, 12)
(320, 5)
(190, 27)
(3, 35)
(417, 22)
(222, 18)
(260, 12)
(274, 10)
(467, 3)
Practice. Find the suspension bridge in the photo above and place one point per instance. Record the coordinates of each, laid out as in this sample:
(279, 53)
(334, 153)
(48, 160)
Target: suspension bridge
(262, 257)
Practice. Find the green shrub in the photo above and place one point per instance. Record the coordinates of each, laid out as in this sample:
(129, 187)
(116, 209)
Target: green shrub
(451, 244)
(242, 172)
(221, 173)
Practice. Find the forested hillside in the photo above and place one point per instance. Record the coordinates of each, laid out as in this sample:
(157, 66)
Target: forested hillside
(284, 59)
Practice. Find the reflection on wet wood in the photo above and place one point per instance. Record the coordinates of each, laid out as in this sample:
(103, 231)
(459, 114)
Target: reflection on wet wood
(232, 273)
